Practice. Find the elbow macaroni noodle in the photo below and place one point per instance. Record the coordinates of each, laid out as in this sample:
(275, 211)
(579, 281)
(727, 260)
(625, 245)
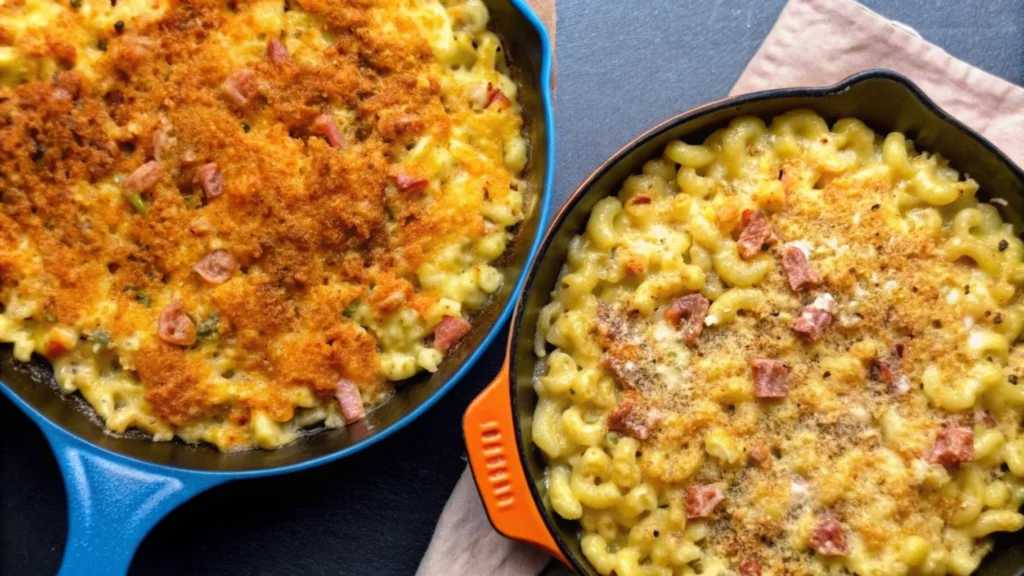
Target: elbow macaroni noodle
(458, 125)
(911, 257)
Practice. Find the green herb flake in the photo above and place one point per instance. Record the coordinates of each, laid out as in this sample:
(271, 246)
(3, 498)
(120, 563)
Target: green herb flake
(138, 204)
(228, 374)
(350, 310)
(210, 326)
(101, 337)
(76, 4)
(49, 316)
(143, 298)
(389, 213)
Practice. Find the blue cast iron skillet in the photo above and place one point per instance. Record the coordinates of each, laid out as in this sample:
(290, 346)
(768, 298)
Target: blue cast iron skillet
(118, 487)
(882, 99)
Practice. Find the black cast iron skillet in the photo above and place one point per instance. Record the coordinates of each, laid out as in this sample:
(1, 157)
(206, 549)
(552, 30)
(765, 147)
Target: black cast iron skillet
(119, 486)
(509, 469)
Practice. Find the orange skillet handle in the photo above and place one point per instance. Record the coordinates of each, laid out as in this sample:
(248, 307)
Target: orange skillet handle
(497, 469)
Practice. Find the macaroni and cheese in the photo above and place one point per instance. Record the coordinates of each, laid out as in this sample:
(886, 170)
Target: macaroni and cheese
(230, 221)
(789, 349)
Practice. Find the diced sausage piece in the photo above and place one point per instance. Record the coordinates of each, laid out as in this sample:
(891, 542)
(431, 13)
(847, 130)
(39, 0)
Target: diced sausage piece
(953, 445)
(160, 143)
(694, 309)
(757, 234)
(828, 537)
(210, 179)
(815, 317)
(496, 96)
(350, 401)
(277, 53)
(634, 420)
(770, 378)
(240, 86)
(640, 200)
(407, 184)
(701, 500)
(216, 267)
(750, 567)
(886, 370)
(175, 327)
(798, 270)
(143, 178)
(325, 126)
(449, 330)
(758, 453)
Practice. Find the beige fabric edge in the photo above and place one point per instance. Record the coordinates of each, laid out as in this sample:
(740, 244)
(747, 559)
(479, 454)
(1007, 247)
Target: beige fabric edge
(820, 42)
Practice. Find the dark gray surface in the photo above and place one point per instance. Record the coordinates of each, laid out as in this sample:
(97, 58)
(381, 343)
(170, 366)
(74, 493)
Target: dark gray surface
(623, 66)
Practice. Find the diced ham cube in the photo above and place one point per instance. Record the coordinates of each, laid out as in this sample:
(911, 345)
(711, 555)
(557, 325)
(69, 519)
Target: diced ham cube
(770, 378)
(634, 420)
(350, 401)
(798, 270)
(750, 567)
(757, 234)
(829, 538)
(277, 53)
(175, 327)
(450, 330)
(143, 178)
(407, 184)
(497, 97)
(160, 143)
(325, 126)
(208, 177)
(953, 445)
(216, 267)
(640, 200)
(815, 317)
(240, 86)
(887, 370)
(694, 309)
(701, 500)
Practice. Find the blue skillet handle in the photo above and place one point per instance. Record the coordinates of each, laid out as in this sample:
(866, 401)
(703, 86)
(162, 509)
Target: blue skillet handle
(113, 502)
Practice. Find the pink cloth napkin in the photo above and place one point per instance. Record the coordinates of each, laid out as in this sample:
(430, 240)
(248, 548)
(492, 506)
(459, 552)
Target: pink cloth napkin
(847, 38)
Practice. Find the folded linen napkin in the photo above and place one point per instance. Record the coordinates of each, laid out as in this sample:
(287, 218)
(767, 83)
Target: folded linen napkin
(848, 38)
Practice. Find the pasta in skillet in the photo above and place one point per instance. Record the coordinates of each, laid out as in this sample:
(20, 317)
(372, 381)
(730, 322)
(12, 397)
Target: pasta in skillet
(230, 221)
(791, 349)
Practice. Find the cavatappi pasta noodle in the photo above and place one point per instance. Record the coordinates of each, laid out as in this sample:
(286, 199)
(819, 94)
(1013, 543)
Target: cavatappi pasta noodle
(791, 349)
(229, 221)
